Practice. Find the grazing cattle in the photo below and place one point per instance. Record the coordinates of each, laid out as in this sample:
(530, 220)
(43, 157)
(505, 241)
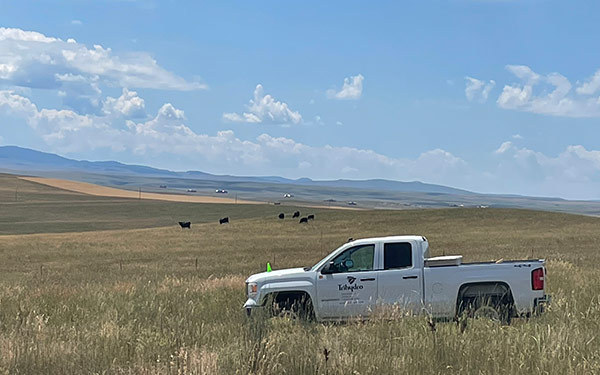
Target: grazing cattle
(311, 217)
(296, 214)
(303, 220)
(185, 224)
(282, 215)
(224, 220)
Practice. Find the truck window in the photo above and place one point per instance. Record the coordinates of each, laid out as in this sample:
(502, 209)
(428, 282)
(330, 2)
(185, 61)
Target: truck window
(360, 259)
(397, 255)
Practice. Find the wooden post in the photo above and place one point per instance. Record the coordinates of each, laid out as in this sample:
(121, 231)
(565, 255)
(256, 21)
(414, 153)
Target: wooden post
(41, 270)
(321, 241)
(196, 263)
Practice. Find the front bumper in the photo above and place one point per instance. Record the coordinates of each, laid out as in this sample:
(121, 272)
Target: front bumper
(250, 304)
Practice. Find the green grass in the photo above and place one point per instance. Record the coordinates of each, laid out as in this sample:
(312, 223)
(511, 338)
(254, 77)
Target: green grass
(167, 301)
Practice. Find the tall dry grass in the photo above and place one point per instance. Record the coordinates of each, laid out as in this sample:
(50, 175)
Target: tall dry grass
(167, 301)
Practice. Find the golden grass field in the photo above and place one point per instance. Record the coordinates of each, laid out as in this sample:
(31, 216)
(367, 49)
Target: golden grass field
(161, 300)
(104, 191)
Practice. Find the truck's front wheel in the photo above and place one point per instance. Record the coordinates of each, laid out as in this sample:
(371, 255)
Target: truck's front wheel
(294, 305)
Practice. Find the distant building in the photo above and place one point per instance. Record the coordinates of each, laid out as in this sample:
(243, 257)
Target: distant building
(191, 190)
(221, 191)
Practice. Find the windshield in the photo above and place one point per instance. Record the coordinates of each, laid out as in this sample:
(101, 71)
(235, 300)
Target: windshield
(324, 260)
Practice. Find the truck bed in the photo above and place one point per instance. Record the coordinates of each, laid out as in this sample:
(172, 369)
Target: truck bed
(442, 282)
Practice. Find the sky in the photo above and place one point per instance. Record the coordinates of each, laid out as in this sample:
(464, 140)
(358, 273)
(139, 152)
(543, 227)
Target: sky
(490, 96)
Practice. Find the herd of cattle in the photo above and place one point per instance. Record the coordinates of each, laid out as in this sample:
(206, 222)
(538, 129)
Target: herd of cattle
(296, 215)
(225, 220)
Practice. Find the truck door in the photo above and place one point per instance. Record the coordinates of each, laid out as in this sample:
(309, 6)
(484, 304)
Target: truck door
(350, 290)
(399, 283)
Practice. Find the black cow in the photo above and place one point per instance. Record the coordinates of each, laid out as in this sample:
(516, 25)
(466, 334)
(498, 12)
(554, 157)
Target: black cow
(224, 220)
(282, 215)
(303, 220)
(310, 217)
(185, 224)
(296, 214)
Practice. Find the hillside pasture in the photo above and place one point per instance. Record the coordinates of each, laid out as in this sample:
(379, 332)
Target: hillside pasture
(162, 300)
(30, 207)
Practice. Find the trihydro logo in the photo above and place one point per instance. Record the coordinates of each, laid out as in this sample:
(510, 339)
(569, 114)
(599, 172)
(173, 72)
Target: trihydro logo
(350, 287)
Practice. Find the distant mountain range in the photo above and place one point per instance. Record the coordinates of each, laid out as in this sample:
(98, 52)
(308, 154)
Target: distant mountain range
(24, 160)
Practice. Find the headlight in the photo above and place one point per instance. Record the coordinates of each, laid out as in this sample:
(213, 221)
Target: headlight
(252, 289)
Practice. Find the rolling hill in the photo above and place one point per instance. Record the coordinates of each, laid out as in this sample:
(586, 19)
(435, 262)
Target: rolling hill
(24, 160)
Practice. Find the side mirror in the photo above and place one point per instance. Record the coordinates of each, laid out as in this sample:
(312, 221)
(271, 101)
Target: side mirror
(328, 269)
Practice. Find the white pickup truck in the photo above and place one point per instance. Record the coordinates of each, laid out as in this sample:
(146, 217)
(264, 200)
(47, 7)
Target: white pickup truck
(363, 275)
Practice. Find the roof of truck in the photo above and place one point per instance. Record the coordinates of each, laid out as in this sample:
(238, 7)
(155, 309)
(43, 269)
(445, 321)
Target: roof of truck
(390, 239)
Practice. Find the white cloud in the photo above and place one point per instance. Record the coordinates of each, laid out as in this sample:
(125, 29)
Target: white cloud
(32, 59)
(478, 90)
(166, 137)
(352, 89)
(265, 109)
(517, 136)
(165, 140)
(591, 86)
(558, 101)
(317, 120)
(304, 165)
(573, 173)
(128, 104)
(76, 22)
(349, 170)
(524, 73)
(503, 147)
(79, 92)
(24, 36)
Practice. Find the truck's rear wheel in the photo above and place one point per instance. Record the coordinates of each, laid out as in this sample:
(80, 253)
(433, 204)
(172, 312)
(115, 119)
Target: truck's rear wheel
(486, 300)
(487, 312)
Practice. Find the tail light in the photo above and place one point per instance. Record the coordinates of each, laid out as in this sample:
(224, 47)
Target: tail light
(537, 279)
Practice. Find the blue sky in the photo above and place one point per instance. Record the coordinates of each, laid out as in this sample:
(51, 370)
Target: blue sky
(491, 96)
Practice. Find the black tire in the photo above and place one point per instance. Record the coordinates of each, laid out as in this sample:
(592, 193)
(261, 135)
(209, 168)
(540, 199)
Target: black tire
(488, 308)
(295, 307)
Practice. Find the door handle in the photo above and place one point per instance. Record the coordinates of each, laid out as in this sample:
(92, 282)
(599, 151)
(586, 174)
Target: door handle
(410, 277)
(369, 279)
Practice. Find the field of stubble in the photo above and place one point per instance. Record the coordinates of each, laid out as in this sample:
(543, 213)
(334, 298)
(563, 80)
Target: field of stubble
(166, 301)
